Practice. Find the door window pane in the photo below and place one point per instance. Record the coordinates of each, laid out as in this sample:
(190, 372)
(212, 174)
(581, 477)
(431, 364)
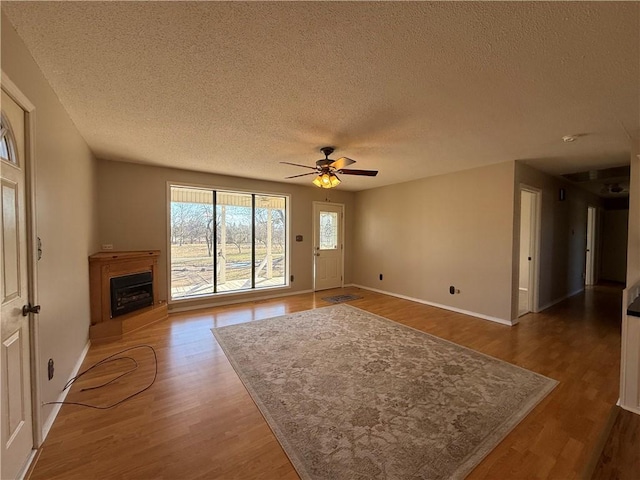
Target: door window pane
(4, 149)
(328, 230)
(7, 141)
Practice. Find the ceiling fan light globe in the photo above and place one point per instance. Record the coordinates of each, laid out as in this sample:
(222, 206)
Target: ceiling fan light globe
(326, 180)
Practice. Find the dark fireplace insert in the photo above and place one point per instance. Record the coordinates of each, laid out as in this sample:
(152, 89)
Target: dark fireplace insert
(131, 292)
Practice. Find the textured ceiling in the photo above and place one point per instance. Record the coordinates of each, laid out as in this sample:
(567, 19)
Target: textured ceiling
(410, 89)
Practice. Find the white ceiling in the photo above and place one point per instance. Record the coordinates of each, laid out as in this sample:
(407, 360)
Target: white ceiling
(409, 89)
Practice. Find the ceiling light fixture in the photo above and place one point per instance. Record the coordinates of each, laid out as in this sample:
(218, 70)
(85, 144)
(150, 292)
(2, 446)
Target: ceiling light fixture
(569, 138)
(326, 169)
(327, 180)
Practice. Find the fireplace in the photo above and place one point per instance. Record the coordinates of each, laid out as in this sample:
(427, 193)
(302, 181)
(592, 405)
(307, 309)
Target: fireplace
(124, 293)
(131, 292)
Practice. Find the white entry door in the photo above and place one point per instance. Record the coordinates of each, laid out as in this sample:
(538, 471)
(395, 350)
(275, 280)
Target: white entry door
(15, 368)
(327, 245)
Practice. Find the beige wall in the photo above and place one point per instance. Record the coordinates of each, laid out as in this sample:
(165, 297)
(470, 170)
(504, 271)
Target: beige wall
(563, 234)
(630, 354)
(66, 219)
(133, 215)
(428, 234)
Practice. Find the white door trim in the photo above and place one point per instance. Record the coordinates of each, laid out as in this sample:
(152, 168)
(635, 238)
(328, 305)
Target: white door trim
(534, 268)
(316, 205)
(32, 248)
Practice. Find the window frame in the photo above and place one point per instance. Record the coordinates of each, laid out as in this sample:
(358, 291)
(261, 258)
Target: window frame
(231, 190)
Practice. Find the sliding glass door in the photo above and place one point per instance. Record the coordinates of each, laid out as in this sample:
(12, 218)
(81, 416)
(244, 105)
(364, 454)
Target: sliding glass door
(242, 247)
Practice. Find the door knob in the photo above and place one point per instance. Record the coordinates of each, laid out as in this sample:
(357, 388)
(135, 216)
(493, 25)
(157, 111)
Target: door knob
(28, 308)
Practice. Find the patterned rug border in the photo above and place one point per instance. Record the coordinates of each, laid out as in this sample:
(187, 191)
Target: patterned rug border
(481, 451)
(271, 422)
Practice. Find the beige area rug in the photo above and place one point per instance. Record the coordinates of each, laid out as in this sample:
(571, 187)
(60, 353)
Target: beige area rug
(351, 395)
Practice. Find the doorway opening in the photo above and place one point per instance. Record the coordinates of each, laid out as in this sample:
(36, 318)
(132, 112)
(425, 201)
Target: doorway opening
(529, 246)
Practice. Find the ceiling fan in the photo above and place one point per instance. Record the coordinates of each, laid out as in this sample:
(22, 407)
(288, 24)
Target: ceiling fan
(326, 169)
(614, 188)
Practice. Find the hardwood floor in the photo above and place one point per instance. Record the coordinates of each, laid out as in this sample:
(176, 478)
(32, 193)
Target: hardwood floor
(620, 458)
(198, 421)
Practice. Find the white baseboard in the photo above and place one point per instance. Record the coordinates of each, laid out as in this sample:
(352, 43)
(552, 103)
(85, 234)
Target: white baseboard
(25, 468)
(187, 308)
(558, 300)
(56, 407)
(635, 410)
(444, 307)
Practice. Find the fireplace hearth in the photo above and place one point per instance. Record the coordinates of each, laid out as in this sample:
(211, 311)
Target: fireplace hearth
(130, 293)
(124, 293)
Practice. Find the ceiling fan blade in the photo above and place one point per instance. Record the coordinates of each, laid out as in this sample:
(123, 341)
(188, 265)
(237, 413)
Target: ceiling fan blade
(302, 175)
(342, 162)
(298, 165)
(366, 173)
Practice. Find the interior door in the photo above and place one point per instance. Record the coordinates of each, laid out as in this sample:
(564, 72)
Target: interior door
(15, 368)
(530, 201)
(526, 254)
(328, 245)
(590, 254)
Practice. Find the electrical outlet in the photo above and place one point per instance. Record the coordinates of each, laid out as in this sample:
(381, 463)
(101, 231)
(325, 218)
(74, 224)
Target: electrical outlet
(50, 369)
(107, 246)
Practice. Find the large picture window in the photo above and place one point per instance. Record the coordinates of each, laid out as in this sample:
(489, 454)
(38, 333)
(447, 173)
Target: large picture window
(223, 241)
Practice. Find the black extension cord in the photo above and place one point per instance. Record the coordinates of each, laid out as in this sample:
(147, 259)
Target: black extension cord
(105, 360)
